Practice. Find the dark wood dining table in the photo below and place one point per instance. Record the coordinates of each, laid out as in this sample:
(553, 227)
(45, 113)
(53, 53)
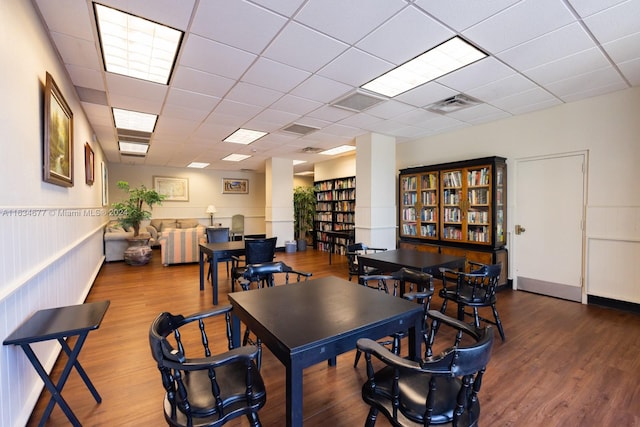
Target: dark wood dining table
(306, 323)
(393, 260)
(217, 252)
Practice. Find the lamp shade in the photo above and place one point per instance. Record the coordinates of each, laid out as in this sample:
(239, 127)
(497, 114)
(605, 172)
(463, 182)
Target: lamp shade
(211, 209)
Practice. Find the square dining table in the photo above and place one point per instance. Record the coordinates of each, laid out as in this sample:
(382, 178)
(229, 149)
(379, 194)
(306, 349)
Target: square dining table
(394, 260)
(217, 252)
(305, 323)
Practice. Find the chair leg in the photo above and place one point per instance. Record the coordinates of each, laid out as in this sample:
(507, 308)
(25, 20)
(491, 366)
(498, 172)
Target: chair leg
(498, 321)
(254, 421)
(371, 418)
(357, 359)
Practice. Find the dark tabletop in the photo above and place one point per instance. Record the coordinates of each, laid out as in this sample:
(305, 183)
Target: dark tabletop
(59, 322)
(410, 258)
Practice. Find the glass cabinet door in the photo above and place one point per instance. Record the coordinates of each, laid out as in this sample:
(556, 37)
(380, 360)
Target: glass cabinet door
(408, 201)
(452, 202)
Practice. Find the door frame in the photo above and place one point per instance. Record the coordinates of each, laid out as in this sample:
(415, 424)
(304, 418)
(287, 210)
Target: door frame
(513, 253)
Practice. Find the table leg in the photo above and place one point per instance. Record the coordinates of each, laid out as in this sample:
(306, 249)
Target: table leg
(214, 277)
(81, 371)
(294, 394)
(235, 330)
(55, 390)
(201, 270)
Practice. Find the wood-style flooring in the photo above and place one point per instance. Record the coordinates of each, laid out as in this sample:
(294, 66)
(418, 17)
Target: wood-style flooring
(563, 364)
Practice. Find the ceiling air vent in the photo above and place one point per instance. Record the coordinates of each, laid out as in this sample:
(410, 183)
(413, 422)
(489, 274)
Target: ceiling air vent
(92, 96)
(133, 135)
(300, 129)
(452, 104)
(357, 101)
(311, 150)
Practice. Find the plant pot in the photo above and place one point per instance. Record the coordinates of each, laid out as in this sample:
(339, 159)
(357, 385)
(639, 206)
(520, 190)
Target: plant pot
(139, 252)
(302, 244)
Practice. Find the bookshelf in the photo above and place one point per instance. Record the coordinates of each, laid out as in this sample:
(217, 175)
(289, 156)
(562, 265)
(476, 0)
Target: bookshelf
(335, 212)
(457, 208)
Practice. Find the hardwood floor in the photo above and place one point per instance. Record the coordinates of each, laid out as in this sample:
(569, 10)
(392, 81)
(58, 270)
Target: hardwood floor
(563, 364)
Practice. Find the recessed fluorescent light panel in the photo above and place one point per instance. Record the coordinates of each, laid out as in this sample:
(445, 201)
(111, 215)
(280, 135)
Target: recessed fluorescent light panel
(443, 59)
(236, 157)
(338, 150)
(299, 162)
(197, 165)
(245, 136)
(136, 47)
(133, 148)
(305, 173)
(133, 120)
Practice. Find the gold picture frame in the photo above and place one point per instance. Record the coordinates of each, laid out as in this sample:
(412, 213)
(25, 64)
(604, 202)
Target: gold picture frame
(58, 137)
(174, 189)
(235, 186)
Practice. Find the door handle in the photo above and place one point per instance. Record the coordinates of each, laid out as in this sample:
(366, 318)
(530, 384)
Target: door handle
(520, 229)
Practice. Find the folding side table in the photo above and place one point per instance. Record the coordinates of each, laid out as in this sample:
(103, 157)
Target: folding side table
(60, 323)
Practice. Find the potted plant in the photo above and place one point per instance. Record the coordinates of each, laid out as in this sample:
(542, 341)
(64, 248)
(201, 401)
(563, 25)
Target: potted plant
(130, 212)
(304, 211)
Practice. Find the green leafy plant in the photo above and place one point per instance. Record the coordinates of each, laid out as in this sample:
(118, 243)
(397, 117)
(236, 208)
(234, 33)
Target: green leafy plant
(304, 210)
(131, 212)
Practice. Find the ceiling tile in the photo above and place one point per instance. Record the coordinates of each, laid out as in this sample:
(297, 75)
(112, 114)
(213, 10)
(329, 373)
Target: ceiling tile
(168, 12)
(296, 104)
(549, 47)
(59, 13)
(296, 39)
(258, 95)
(201, 82)
(355, 67)
(514, 83)
(418, 31)
(616, 22)
(589, 7)
(215, 58)
(285, 7)
(522, 22)
(218, 20)
(586, 82)
(475, 75)
(461, 14)
(79, 52)
(321, 89)
(337, 17)
(568, 66)
(275, 75)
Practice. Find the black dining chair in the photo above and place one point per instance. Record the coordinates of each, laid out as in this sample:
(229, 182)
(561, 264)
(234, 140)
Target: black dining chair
(420, 290)
(475, 290)
(256, 251)
(437, 390)
(352, 258)
(218, 235)
(205, 388)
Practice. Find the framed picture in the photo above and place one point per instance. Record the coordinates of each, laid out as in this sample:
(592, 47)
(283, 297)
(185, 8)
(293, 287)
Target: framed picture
(174, 189)
(88, 164)
(235, 186)
(105, 188)
(58, 137)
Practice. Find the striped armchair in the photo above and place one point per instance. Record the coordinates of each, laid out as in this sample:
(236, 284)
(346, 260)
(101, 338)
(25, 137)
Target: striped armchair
(180, 245)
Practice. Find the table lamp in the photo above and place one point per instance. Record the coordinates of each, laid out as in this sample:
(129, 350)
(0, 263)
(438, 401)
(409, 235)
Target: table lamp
(211, 210)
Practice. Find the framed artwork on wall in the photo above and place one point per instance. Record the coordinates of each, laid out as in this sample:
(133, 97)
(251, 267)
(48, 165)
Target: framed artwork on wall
(174, 189)
(105, 185)
(58, 137)
(88, 164)
(235, 186)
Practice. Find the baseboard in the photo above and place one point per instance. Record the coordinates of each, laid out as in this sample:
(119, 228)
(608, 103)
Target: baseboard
(613, 303)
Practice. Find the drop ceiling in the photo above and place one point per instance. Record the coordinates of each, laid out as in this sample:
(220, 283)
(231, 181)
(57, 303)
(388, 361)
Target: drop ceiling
(269, 65)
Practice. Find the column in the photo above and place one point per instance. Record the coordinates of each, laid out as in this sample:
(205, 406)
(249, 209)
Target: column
(279, 200)
(376, 190)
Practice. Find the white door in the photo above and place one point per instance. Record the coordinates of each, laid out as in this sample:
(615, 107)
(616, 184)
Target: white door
(548, 239)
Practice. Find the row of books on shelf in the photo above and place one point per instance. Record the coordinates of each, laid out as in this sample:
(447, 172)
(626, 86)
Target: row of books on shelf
(429, 197)
(478, 196)
(478, 234)
(336, 195)
(345, 217)
(429, 181)
(428, 230)
(452, 179)
(429, 214)
(451, 197)
(408, 214)
(345, 206)
(409, 183)
(478, 217)
(409, 198)
(452, 215)
(345, 183)
(478, 177)
(338, 248)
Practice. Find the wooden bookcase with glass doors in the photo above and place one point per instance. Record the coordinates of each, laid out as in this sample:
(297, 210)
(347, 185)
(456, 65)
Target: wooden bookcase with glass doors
(457, 208)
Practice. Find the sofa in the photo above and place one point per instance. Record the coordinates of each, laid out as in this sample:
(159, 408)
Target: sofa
(181, 245)
(115, 240)
(158, 225)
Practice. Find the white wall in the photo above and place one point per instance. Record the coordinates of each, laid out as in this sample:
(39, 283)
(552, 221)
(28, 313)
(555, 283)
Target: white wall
(50, 251)
(609, 128)
(205, 188)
